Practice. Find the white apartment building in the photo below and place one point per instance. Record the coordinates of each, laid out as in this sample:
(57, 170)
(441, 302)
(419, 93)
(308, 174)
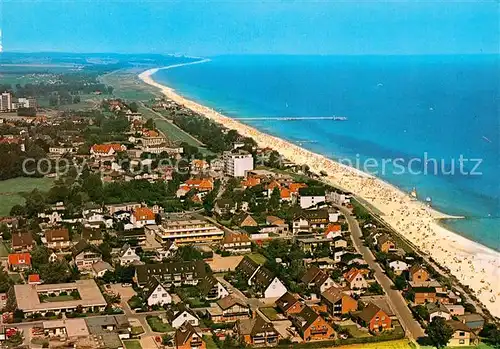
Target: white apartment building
(26, 102)
(62, 150)
(185, 230)
(6, 101)
(236, 163)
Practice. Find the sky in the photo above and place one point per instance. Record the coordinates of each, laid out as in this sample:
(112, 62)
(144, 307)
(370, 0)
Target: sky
(214, 27)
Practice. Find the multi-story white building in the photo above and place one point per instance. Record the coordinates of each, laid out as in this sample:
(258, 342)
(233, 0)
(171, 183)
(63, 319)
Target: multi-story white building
(6, 101)
(29, 102)
(338, 198)
(236, 163)
(62, 150)
(183, 229)
(310, 197)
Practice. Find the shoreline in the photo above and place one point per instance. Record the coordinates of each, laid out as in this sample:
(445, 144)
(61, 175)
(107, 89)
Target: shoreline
(472, 263)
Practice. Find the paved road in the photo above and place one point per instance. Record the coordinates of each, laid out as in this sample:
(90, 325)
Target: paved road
(479, 306)
(397, 302)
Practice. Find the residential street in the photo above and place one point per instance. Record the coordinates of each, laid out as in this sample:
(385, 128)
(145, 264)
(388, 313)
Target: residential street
(397, 302)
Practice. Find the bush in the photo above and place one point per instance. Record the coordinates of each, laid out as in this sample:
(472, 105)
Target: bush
(338, 342)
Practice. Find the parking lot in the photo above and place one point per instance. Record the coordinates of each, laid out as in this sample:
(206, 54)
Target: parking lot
(126, 292)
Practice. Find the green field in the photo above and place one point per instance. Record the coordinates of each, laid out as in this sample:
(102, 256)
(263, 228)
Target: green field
(137, 330)
(270, 313)
(4, 250)
(11, 189)
(399, 344)
(86, 101)
(479, 346)
(175, 134)
(157, 325)
(128, 86)
(257, 258)
(132, 344)
(29, 74)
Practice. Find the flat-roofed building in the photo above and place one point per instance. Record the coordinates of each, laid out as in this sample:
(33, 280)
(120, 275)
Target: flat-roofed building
(28, 297)
(67, 328)
(183, 229)
(237, 163)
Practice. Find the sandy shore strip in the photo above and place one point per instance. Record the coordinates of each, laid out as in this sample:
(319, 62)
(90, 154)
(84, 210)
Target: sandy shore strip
(473, 264)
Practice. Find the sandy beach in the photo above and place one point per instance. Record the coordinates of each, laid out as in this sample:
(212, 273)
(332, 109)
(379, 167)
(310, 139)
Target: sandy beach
(473, 264)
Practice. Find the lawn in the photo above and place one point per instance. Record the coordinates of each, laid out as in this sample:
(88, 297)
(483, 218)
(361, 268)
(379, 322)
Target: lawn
(132, 344)
(137, 330)
(209, 340)
(399, 344)
(157, 325)
(17, 278)
(356, 332)
(128, 86)
(270, 313)
(479, 346)
(4, 250)
(258, 258)
(64, 298)
(174, 133)
(11, 189)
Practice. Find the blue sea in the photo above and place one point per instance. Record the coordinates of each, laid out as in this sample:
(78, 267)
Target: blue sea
(398, 107)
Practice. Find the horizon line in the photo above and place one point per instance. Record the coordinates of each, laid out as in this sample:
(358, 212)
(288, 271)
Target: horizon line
(249, 54)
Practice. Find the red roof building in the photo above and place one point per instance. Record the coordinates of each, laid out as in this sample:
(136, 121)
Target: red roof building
(19, 261)
(34, 279)
(143, 215)
(106, 149)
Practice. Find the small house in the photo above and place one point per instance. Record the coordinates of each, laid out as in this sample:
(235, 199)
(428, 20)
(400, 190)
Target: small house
(19, 261)
(189, 337)
(289, 304)
(311, 326)
(374, 318)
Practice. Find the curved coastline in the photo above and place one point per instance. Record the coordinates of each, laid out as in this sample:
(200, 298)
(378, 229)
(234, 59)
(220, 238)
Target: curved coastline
(473, 264)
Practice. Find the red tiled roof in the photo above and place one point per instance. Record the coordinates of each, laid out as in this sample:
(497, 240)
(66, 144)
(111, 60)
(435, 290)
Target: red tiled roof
(150, 133)
(200, 184)
(34, 278)
(19, 258)
(294, 187)
(105, 148)
(250, 182)
(143, 214)
(273, 185)
(285, 193)
(333, 228)
(351, 274)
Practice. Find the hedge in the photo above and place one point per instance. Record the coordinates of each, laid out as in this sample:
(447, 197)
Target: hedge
(348, 341)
